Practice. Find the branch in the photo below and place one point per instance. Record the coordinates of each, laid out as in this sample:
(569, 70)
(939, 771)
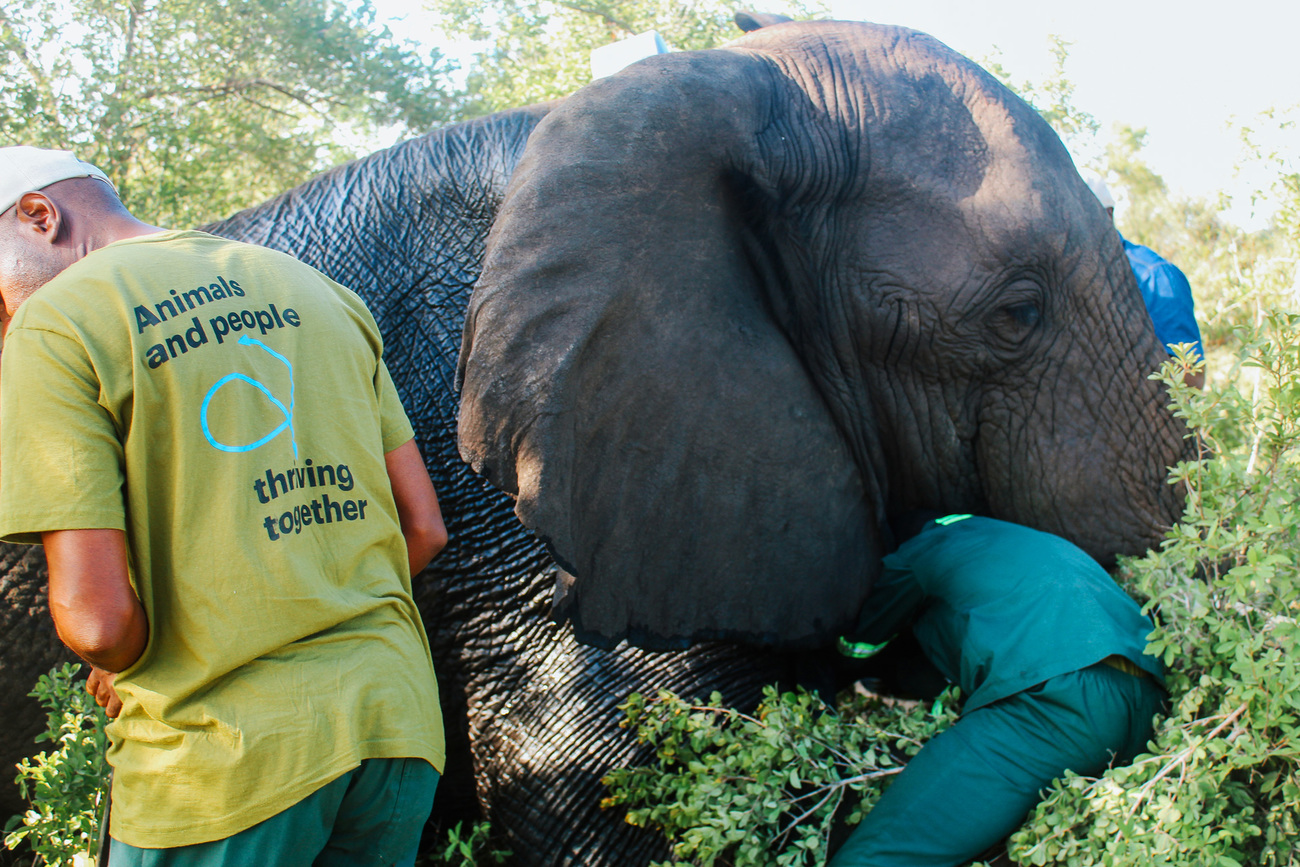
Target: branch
(33, 68)
(599, 13)
(1182, 758)
(236, 86)
(829, 791)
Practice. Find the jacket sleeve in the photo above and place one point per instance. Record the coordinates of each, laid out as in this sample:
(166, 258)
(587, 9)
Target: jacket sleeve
(893, 604)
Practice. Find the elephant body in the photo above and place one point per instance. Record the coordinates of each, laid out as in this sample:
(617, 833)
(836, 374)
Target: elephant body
(531, 712)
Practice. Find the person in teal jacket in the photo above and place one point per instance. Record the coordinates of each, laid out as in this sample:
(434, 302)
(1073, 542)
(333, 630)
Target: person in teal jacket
(1049, 654)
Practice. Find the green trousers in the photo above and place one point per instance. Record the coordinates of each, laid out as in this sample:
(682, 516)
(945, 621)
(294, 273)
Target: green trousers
(372, 815)
(973, 785)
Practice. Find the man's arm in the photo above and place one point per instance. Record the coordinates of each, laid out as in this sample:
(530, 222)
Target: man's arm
(890, 608)
(417, 505)
(95, 609)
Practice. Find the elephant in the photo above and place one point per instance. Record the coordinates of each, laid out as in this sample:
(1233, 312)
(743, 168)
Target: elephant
(860, 277)
(675, 348)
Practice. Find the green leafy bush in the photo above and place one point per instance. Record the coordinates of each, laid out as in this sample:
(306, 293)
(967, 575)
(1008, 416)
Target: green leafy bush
(67, 784)
(474, 849)
(763, 789)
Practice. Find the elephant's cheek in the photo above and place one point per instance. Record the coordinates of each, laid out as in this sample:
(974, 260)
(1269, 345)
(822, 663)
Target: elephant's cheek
(1097, 483)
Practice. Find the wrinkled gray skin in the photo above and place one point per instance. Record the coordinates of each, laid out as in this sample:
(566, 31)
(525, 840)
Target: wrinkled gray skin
(871, 214)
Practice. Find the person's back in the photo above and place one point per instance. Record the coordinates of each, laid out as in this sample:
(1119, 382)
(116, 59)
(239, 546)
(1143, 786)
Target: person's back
(1007, 606)
(1167, 295)
(226, 408)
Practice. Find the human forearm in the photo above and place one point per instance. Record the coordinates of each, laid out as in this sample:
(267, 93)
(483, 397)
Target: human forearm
(423, 543)
(95, 609)
(417, 505)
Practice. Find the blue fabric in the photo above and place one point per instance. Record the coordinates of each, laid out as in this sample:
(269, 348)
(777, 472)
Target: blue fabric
(372, 815)
(1167, 294)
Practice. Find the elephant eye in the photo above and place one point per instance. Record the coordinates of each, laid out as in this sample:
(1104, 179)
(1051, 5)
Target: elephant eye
(1013, 324)
(1025, 315)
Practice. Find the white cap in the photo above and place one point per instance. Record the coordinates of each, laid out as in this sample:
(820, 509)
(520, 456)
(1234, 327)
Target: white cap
(25, 169)
(609, 59)
(1098, 187)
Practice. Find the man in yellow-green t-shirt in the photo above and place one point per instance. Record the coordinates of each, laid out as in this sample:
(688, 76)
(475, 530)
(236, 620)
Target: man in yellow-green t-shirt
(205, 438)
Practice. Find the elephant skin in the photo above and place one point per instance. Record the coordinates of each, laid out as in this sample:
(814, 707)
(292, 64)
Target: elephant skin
(531, 712)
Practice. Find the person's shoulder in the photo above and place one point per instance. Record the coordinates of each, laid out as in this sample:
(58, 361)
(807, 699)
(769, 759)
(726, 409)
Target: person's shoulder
(62, 301)
(1147, 262)
(1140, 255)
(991, 533)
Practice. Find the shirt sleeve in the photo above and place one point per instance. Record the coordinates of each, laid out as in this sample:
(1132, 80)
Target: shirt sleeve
(60, 452)
(392, 417)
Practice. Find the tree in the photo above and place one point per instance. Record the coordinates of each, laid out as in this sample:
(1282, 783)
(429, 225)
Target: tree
(197, 108)
(537, 50)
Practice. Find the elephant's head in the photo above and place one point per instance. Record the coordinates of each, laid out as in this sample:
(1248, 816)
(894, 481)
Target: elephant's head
(739, 306)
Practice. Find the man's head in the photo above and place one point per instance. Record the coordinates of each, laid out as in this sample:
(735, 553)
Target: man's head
(1102, 192)
(54, 209)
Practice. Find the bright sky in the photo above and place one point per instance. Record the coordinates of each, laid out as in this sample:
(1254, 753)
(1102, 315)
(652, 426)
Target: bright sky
(1184, 70)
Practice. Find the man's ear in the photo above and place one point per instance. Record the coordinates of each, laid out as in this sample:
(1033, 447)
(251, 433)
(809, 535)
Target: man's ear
(39, 213)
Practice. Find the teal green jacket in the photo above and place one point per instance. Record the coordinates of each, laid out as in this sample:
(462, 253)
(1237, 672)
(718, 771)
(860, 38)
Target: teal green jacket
(998, 607)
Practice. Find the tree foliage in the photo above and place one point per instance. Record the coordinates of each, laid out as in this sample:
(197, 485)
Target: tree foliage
(538, 50)
(197, 108)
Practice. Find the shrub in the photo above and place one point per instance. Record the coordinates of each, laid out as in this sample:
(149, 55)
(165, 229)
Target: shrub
(67, 784)
(461, 850)
(1220, 785)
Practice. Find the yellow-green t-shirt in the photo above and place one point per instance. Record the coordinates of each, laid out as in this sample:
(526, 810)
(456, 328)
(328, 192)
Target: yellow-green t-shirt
(228, 407)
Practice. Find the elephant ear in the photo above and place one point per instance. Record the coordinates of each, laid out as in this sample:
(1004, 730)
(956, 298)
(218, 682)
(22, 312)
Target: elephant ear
(627, 374)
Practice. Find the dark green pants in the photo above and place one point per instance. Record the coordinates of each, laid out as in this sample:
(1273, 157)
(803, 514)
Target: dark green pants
(973, 785)
(372, 815)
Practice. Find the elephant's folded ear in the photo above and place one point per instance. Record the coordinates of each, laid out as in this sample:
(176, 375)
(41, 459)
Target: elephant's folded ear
(623, 374)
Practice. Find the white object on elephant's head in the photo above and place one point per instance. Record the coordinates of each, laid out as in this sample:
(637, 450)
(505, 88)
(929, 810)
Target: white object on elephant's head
(609, 59)
(26, 169)
(1101, 191)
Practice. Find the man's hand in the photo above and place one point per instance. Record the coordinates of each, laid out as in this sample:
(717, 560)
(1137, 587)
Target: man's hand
(100, 685)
